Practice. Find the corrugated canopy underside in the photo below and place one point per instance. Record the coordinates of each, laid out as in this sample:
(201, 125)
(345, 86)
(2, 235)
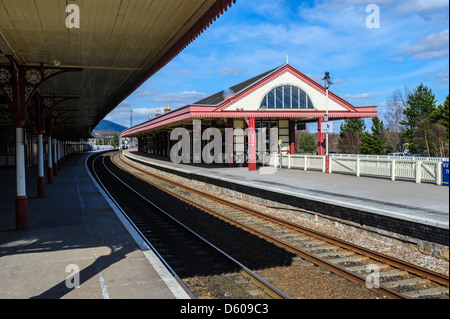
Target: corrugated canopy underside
(120, 43)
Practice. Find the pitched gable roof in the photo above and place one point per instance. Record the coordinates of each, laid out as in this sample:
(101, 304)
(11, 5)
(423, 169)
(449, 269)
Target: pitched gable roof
(218, 98)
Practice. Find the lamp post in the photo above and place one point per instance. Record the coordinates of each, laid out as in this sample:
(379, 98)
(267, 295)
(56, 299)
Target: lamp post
(131, 118)
(328, 83)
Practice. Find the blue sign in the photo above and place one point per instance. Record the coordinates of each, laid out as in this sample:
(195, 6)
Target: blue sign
(445, 173)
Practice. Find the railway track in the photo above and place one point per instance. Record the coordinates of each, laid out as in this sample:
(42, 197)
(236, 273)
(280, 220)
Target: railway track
(202, 269)
(391, 278)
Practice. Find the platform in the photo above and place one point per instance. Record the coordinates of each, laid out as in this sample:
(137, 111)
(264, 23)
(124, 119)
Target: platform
(74, 226)
(417, 210)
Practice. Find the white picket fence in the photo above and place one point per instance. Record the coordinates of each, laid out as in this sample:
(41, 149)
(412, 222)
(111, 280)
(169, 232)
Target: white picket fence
(416, 169)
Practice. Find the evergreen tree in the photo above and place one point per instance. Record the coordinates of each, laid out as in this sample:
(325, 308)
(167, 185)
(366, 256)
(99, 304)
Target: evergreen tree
(115, 140)
(440, 132)
(441, 115)
(307, 143)
(350, 136)
(374, 143)
(421, 106)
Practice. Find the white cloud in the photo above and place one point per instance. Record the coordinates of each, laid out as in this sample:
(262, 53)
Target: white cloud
(145, 93)
(435, 45)
(398, 59)
(361, 96)
(232, 71)
(184, 72)
(179, 99)
(423, 7)
(443, 76)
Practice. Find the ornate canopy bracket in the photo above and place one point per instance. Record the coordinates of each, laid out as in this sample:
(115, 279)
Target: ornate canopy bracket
(46, 105)
(21, 82)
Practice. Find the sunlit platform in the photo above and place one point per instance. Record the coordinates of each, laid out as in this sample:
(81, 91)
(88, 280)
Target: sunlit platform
(74, 231)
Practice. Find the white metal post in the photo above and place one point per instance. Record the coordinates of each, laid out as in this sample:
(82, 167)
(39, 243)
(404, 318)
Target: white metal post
(40, 156)
(41, 176)
(418, 171)
(326, 134)
(50, 160)
(21, 206)
(58, 151)
(330, 170)
(54, 151)
(50, 164)
(439, 174)
(20, 162)
(358, 167)
(55, 157)
(393, 170)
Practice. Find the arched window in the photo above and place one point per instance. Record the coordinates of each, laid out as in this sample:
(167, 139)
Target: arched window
(287, 97)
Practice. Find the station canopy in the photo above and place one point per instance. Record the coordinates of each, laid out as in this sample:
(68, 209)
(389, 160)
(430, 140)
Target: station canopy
(119, 45)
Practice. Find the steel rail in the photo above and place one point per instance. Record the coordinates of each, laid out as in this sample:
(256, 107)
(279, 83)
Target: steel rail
(267, 287)
(422, 272)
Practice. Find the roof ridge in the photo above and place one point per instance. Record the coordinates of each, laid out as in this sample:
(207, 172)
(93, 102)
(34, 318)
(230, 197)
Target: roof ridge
(217, 98)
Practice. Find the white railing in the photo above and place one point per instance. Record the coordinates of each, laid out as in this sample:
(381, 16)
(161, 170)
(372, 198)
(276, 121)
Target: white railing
(414, 158)
(395, 168)
(304, 162)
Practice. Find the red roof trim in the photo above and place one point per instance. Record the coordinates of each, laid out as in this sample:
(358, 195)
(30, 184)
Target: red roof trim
(279, 72)
(284, 114)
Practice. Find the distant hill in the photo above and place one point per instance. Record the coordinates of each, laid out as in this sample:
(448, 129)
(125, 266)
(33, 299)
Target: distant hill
(106, 125)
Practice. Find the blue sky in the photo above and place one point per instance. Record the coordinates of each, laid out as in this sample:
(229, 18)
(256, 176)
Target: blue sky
(367, 64)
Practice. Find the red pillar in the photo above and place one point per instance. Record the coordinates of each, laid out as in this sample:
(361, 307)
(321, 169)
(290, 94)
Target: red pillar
(321, 137)
(291, 137)
(252, 144)
(230, 143)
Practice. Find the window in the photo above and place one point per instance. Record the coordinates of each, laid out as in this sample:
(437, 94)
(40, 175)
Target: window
(286, 97)
(271, 100)
(302, 100)
(295, 97)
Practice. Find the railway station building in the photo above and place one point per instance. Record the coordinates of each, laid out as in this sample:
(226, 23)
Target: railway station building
(263, 112)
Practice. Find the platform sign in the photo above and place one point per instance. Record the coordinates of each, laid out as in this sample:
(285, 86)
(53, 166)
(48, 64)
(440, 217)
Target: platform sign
(445, 173)
(327, 127)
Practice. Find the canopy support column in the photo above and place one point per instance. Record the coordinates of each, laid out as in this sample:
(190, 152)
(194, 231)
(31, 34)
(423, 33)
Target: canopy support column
(321, 137)
(251, 144)
(291, 137)
(21, 193)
